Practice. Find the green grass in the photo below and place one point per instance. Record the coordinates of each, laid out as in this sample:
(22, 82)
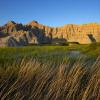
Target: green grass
(9, 54)
(90, 49)
(48, 73)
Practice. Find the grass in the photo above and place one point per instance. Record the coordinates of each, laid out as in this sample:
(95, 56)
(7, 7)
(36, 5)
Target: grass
(33, 80)
(9, 54)
(93, 49)
(47, 73)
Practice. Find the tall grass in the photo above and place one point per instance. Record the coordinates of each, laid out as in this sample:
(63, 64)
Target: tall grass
(48, 73)
(31, 79)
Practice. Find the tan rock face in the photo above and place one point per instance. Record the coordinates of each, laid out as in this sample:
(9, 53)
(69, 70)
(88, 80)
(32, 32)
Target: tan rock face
(35, 33)
(83, 34)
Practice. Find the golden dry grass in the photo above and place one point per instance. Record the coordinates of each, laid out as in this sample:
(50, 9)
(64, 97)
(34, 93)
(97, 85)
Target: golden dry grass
(32, 80)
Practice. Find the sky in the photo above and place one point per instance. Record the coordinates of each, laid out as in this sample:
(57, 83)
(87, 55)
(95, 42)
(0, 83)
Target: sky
(50, 12)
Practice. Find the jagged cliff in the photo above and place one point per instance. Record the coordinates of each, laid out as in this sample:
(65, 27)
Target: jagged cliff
(15, 34)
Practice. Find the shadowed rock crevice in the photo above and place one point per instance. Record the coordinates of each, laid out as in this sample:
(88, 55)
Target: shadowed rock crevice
(12, 42)
(91, 37)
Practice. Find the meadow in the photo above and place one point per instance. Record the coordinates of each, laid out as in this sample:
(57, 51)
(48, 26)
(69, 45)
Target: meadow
(50, 73)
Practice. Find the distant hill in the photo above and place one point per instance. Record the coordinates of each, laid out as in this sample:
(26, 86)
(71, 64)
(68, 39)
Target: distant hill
(16, 34)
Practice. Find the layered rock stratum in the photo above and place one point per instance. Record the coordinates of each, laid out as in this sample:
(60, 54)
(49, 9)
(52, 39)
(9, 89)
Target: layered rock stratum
(16, 34)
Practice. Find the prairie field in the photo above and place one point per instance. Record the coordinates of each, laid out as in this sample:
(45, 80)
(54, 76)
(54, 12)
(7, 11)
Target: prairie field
(50, 72)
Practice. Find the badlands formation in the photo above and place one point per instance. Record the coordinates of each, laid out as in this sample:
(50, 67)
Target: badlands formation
(15, 34)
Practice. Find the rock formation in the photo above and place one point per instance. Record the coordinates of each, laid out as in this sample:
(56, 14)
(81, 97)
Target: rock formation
(82, 34)
(15, 34)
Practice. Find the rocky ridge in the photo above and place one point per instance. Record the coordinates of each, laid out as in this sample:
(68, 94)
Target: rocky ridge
(16, 34)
